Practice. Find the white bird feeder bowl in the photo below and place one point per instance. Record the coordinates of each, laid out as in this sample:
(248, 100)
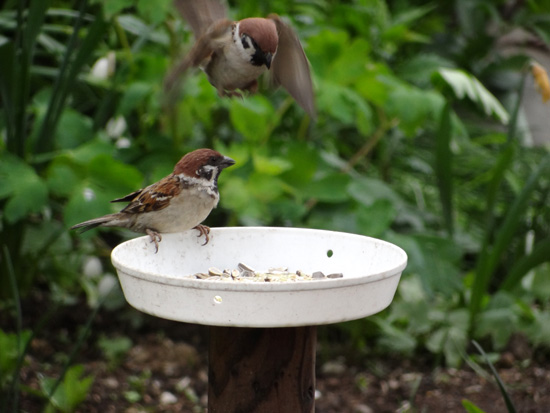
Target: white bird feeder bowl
(159, 284)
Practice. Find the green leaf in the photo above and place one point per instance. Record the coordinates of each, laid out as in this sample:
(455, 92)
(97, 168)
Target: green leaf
(26, 191)
(87, 201)
(443, 167)
(539, 255)
(451, 338)
(368, 190)
(62, 178)
(156, 11)
(136, 26)
(134, 96)
(73, 129)
(270, 165)
(114, 176)
(375, 219)
(112, 7)
(470, 407)
(331, 188)
(489, 258)
(71, 392)
(251, 117)
(305, 161)
(509, 405)
(12, 347)
(466, 85)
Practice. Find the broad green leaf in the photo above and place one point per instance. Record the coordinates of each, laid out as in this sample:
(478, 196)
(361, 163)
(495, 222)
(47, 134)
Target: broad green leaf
(331, 188)
(87, 201)
(450, 338)
(62, 178)
(114, 176)
(368, 190)
(154, 11)
(137, 27)
(394, 338)
(251, 117)
(72, 391)
(12, 347)
(26, 191)
(112, 7)
(466, 85)
(270, 165)
(305, 161)
(134, 96)
(375, 219)
(264, 188)
(73, 129)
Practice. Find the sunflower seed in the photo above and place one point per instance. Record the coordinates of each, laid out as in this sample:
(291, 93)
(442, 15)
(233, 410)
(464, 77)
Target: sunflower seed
(215, 271)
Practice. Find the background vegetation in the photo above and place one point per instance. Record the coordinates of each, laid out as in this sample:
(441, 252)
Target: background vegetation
(420, 140)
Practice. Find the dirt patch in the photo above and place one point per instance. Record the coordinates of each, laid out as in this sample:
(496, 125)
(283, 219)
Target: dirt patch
(165, 370)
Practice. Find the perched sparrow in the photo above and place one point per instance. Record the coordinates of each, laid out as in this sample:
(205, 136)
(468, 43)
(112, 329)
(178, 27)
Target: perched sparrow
(234, 54)
(176, 203)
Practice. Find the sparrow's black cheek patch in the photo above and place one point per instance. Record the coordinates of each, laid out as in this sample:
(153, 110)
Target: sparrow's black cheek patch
(206, 174)
(258, 58)
(245, 42)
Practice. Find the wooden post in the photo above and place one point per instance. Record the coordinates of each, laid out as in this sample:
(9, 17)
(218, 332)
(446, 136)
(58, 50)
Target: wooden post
(265, 370)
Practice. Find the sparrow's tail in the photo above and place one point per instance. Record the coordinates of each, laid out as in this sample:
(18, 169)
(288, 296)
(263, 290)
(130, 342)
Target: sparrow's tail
(93, 223)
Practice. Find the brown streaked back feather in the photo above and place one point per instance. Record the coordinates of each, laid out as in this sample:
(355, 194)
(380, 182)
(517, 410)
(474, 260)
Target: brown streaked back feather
(128, 197)
(155, 197)
(290, 67)
(200, 14)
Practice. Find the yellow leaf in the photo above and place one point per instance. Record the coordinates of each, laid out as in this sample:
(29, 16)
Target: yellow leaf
(541, 79)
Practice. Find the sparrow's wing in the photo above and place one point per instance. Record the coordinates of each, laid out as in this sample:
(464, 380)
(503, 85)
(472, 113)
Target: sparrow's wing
(201, 14)
(213, 39)
(128, 197)
(290, 67)
(155, 197)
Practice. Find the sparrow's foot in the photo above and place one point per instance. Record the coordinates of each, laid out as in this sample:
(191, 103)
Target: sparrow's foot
(203, 230)
(252, 87)
(231, 94)
(155, 238)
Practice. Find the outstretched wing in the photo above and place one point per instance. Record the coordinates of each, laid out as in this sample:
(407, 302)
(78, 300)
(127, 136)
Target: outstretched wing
(208, 43)
(201, 14)
(153, 198)
(290, 67)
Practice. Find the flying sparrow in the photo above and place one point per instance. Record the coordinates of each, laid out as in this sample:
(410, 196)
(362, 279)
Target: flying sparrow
(233, 54)
(176, 203)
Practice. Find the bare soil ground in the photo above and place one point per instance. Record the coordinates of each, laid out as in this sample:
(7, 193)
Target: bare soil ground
(165, 370)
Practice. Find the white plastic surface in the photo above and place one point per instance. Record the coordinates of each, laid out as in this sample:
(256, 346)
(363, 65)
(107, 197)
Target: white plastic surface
(156, 283)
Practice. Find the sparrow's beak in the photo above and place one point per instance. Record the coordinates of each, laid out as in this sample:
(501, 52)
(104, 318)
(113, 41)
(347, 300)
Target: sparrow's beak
(268, 57)
(226, 162)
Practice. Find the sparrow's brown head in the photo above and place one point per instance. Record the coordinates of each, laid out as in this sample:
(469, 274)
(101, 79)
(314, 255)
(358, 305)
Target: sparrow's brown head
(264, 37)
(205, 163)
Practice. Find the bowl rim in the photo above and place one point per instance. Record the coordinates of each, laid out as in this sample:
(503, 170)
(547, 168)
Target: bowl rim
(220, 285)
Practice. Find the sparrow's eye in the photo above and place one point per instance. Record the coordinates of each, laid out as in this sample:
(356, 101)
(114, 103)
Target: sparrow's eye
(212, 159)
(244, 41)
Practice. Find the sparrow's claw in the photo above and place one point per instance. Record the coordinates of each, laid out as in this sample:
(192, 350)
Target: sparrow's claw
(155, 238)
(203, 230)
(230, 94)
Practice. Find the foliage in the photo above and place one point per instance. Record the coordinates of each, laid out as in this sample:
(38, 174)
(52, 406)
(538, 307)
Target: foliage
(418, 141)
(70, 393)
